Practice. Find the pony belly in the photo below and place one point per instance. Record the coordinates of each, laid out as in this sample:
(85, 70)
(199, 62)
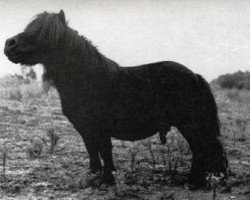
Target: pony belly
(132, 136)
(133, 130)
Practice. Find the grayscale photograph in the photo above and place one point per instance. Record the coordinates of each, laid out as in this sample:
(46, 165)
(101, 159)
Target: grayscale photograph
(125, 100)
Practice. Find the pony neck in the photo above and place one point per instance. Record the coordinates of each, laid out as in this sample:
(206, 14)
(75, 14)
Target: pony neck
(78, 57)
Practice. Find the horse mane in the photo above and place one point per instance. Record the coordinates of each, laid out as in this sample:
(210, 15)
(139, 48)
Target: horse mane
(49, 27)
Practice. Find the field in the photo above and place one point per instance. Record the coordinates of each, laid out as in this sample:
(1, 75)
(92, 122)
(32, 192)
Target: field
(43, 157)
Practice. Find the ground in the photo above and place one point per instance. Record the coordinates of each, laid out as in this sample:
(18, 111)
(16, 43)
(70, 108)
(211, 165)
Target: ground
(43, 157)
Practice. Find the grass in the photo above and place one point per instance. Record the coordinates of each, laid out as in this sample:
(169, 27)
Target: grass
(214, 181)
(35, 148)
(47, 158)
(4, 160)
(53, 137)
(38, 144)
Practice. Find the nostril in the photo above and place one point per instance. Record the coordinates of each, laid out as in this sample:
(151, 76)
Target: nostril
(11, 43)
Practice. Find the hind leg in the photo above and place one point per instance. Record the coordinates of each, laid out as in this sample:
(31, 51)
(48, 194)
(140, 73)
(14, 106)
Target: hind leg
(162, 135)
(165, 128)
(197, 174)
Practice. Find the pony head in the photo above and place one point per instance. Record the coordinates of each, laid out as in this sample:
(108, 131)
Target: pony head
(41, 38)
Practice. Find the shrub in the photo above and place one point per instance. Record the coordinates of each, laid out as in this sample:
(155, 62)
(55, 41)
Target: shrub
(226, 81)
(239, 80)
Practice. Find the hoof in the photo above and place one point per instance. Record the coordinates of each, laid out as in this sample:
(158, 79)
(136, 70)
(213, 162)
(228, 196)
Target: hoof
(104, 186)
(93, 179)
(100, 180)
(94, 170)
(194, 187)
(191, 187)
(195, 183)
(107, 180)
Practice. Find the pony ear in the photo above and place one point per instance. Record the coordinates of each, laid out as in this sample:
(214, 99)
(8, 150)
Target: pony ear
(61, 16)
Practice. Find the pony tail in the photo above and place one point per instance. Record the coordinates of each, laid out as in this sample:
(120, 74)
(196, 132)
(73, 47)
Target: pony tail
(215, 160)
(210, 109)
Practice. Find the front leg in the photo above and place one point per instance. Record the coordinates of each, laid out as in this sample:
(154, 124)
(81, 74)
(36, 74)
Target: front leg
(105, 150)
(89, 137)
(99, 144)
(95, 166)
(94, 159)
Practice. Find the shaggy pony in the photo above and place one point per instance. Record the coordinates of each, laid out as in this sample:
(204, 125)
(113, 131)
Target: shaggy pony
(103, 100)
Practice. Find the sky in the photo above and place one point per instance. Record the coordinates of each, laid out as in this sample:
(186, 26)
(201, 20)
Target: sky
(211, 37)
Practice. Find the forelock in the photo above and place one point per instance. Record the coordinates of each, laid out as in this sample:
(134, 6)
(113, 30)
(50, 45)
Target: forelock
(46, 27)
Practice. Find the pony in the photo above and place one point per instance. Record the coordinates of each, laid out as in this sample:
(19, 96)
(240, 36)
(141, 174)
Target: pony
(104, 100)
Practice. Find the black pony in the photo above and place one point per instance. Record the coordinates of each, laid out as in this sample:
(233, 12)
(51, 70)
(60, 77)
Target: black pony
(103, 100)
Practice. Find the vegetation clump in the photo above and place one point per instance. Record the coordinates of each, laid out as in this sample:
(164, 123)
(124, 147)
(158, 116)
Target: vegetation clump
(238, 80)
